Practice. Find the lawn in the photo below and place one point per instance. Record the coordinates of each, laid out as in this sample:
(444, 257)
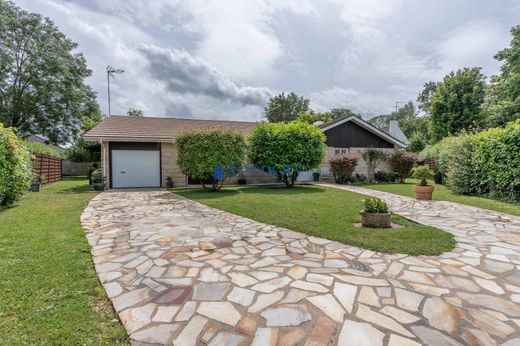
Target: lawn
(323, 212)
(49, 291)
(442, 193)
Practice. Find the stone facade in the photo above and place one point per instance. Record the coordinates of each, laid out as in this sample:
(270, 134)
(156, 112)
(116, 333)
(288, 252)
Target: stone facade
(169, 166)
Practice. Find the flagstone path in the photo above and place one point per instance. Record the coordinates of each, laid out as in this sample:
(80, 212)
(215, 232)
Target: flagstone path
(182, 273)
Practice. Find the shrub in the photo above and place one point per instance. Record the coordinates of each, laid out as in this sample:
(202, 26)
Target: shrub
(97, 177)
(41, 148)
(210, 155)
(360, 178)
(342, 167)
(423, 173)
(372, 157)
(402, 163)
(15, 168)
(287, 148)
(375, 206)
(386, 177)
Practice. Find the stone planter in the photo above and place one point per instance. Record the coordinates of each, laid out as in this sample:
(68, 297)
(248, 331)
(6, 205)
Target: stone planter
(376, 220)
(99, 186)
(424, 193)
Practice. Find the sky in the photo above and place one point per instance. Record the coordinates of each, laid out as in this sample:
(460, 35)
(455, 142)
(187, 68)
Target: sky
(223, 59)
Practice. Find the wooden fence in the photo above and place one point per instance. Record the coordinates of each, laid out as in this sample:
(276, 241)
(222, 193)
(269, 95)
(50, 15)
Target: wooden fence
(47, 166)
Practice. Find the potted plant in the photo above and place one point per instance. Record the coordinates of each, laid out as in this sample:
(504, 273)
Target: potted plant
(423, 191)
(169, 182)
(316, 176)
(35, 186)
(375, 214)
(98, 180)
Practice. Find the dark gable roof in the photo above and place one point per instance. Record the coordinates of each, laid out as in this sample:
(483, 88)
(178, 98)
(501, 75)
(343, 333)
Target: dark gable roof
(363, 123)
(122, 128)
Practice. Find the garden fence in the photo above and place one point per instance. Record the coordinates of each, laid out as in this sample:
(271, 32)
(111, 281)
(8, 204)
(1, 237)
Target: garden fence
(47, 166)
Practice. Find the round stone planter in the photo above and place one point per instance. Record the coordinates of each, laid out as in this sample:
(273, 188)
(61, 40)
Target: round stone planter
(376, 220)
(98, 186)
(424, 193)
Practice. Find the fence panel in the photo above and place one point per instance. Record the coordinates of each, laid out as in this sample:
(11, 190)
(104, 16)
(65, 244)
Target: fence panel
(47, 166)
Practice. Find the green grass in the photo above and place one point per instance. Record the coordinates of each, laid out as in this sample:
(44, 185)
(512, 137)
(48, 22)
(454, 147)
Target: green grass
(49, 291)
(323, 212)
(442, 193)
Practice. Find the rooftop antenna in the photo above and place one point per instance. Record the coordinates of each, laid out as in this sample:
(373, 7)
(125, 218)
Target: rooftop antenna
(110, 73)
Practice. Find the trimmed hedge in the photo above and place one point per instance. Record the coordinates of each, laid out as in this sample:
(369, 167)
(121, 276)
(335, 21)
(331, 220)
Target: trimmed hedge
(482, 164)
(211, 155)
(15, 168)
(287, 148)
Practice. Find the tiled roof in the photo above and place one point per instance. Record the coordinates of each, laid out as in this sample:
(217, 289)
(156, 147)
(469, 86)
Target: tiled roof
(122, 128)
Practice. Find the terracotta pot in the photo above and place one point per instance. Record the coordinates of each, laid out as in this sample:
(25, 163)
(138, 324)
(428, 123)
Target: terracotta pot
(376, 220)
(424, 192)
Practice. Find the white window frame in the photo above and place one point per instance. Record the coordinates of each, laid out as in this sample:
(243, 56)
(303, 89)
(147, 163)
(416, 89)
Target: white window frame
(342, 151)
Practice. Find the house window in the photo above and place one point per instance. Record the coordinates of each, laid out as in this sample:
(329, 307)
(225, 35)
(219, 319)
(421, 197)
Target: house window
(342, 151)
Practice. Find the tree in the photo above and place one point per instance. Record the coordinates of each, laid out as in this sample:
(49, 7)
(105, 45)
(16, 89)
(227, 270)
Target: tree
(310, 117)
(285, 108)
(456, 105)
(425, 97)
(210, 155)
(417, 142)
(503, 101)
(339, 113)
(408, 118)
(372, 157)
(287, 149)
(42, 89)
(78, 152)
(134, 112)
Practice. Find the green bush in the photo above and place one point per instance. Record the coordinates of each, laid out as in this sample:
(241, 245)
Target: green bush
(342, 167)
(287, 148)
(211, 155)
(402, 163)
(375, 206)
(15, 167)
(41, 148)
(482, 164)
(386, 177)
(423, 173)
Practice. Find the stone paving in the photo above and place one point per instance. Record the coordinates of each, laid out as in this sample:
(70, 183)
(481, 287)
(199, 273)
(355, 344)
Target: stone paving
(181, 273)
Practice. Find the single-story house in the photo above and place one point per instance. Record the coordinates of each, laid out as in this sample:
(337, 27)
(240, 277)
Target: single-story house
(140, 151)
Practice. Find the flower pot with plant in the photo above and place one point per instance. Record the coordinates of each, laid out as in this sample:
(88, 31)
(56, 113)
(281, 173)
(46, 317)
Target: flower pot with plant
(37, 182)
(316, 176)
(169, 182)
(423, 191)
(375, 214)
(98, 180)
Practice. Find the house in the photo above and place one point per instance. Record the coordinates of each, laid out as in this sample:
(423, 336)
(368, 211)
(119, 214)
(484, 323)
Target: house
(140, 151)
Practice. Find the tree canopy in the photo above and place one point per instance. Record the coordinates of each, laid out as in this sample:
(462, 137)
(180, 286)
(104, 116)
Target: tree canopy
(134, 112)
(285, 108)
(503, 101)
(42, 89)
(456, 105)
(287, 148)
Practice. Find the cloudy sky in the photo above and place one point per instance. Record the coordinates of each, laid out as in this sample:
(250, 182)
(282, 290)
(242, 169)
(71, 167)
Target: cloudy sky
(224, 59)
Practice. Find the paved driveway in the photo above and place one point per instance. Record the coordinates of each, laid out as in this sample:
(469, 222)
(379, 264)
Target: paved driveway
(177, 271)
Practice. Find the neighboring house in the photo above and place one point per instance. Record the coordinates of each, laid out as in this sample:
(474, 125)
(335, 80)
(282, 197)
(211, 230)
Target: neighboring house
(140, 151)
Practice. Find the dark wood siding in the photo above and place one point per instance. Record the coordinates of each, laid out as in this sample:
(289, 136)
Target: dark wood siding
(351, 135)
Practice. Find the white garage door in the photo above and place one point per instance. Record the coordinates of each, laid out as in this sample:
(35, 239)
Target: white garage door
(136, 168)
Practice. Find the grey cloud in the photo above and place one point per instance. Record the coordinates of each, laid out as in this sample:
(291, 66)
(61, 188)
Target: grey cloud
(183, 73)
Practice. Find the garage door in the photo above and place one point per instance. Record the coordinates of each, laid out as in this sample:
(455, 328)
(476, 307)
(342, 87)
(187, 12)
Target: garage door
(136, 168)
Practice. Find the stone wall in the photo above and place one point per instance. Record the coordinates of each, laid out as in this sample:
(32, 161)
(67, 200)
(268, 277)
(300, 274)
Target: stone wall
(169, 166)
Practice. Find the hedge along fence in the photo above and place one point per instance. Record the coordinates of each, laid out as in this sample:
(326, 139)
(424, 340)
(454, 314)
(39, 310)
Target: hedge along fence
(15, 167)
(48, 167)
(482, 164)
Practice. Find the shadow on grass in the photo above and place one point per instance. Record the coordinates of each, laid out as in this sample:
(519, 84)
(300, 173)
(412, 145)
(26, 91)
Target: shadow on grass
(273, 190)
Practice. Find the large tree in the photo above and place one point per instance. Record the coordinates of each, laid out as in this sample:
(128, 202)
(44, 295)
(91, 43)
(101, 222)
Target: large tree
(339, 113)
(285, 108)
(456, 105)
(42, 89)
(503, 100)
(409, 120)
